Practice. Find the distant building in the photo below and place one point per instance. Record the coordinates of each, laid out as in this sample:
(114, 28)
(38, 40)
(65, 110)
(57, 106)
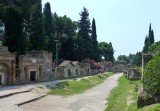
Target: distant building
(85, 69)
(67, 67)
(76, 69)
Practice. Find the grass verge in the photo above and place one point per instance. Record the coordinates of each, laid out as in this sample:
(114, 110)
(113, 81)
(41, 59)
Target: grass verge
(123, 98)
(71, 87)
(122, 95)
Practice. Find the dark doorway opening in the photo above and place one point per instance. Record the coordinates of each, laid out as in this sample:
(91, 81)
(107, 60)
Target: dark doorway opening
(69, 72)
(33, 76)
(0, 79)
(77, 72)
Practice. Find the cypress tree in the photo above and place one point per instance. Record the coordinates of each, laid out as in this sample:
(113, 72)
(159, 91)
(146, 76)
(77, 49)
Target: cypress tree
(151, 35)
(15, 39)
(111, 52)
(149, 40)
(146, 44)
(38, 41)
(48, 25)
(94, 41)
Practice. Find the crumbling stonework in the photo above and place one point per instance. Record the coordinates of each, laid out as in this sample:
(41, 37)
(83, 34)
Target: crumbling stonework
(35, 67)
(7, 67)
(59, 73)
(85, 69)
(145, 59)
(133, 74)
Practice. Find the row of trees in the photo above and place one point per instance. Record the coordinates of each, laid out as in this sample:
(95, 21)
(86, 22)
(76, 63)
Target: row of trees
(149, 40)
(137, 58)
(25, 28)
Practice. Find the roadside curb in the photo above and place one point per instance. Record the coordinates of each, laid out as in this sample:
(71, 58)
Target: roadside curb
(10, 94)
(34, 99)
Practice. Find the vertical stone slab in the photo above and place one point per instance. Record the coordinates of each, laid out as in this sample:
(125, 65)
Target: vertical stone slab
(145, 59)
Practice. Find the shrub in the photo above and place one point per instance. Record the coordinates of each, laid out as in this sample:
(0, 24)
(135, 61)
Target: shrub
(151, 79)
(154, 48)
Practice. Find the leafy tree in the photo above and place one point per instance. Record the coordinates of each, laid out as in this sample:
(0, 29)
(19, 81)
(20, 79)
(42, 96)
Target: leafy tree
(38, 41)
(48, 27)
(138, 59)
(106, 51)
(67, 47)
(65, 30)
(84, 42)
(94, 41)
(123, 58)
(155, 48)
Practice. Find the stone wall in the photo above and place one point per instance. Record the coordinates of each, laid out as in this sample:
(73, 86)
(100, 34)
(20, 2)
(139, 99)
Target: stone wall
(7, 67)
(133, 74)
(76, 70)
(58, 73)
(35, 66)
(85, 69)
(94, 71)
(145, 59)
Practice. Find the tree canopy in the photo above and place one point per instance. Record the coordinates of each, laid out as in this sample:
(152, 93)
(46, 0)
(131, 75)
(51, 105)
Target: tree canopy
(106, 50)
(24, 27)
(149, 40)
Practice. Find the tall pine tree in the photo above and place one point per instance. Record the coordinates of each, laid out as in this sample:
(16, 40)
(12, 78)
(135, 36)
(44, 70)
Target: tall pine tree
(84, 42)
(48, 27)
(149, 40)
(94, 41)
(111, 52)
(37, 39)
(151, 35)
(15, 39)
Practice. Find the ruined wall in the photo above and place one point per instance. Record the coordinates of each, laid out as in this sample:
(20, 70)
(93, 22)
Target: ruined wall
(133, 74)
(38, 63)
(7, 67)
(94, 71)
(85, 69)
(59, 73)
(145, 59)
(76, 70)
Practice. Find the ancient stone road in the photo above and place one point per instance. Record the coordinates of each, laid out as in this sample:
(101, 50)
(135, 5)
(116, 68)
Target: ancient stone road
(91, 100)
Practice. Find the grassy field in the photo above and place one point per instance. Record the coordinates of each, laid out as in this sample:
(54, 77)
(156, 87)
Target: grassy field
(71, 87)
(123, 98)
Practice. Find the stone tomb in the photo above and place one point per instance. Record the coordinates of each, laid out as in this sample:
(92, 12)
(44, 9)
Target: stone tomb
(68, 69)
(7, 67)
(35, 66)
(85, 69)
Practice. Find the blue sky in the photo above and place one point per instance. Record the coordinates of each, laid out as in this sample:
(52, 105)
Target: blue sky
(125, 23)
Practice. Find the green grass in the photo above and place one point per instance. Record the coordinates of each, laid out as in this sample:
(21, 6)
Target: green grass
(71, 87)
(118, 98)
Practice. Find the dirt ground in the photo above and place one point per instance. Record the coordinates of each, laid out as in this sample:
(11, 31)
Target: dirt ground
(92, 100)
